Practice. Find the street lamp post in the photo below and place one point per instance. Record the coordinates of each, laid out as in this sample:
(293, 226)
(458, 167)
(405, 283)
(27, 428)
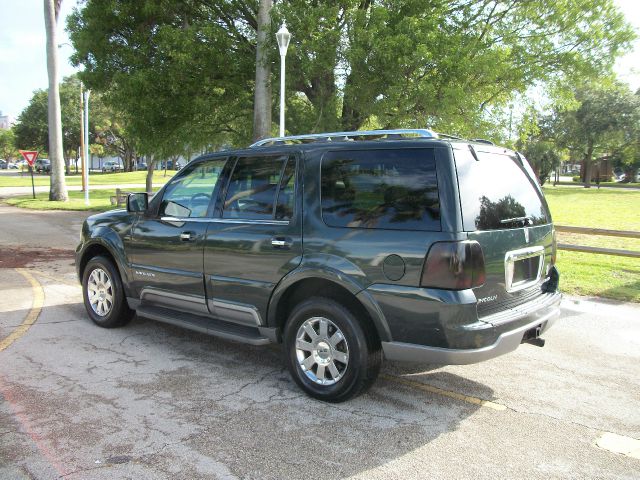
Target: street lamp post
(283, 36)
(86, 146)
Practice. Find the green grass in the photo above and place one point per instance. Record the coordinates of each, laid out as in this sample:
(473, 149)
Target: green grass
(606, 276)
(99, 201)
(122, 178)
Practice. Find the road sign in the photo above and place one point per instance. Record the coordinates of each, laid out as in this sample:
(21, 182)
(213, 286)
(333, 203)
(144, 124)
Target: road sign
(29, 156)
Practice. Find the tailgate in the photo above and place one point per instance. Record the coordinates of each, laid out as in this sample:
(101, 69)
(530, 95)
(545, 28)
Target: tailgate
(517, 263)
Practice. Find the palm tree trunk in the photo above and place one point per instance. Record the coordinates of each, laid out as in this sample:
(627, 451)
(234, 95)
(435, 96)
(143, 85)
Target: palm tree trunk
(58, 189)
(262, 95)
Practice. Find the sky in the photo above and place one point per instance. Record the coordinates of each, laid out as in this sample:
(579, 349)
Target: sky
(23, 60)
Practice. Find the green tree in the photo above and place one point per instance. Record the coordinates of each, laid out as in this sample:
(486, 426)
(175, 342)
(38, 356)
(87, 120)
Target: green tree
(605, 121)
(8, 148)
(184, 72)
(32, 129)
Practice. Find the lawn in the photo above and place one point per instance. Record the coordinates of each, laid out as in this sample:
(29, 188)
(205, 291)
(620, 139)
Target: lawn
(95, 178)
(99, 201)
(590, 274)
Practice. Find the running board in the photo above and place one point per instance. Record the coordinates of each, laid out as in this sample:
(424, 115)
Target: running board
(207, 325)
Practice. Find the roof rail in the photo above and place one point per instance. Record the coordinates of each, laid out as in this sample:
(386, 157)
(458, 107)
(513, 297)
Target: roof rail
(347, 136)
(482, 140)
(449, 136)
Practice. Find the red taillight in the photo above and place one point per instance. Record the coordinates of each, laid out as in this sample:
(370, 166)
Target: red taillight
(454, 266)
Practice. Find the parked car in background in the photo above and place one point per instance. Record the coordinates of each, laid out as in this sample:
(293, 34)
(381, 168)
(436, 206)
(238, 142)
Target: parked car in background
(344, 247)
(12, 166)
(111, 167)
(141, 166)
(42, 165)
(3, 164)
(170, 165)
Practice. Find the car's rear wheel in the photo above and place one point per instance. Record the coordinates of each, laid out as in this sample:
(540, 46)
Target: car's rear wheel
(329, 353)
(103, 294)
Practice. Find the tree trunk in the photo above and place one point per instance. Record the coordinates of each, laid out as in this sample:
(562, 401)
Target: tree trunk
(587, 165)
(149, 181)
(58, 189)
(262, 95)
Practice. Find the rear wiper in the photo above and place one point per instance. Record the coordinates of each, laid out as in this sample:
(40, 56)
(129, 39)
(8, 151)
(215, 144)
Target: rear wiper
(526, 220)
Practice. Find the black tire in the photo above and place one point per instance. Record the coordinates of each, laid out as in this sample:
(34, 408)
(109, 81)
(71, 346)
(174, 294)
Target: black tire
(363, 347)
(119, 313)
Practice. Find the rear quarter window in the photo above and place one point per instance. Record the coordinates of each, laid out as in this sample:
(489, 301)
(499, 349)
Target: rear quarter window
(385, 189)
(497, 193)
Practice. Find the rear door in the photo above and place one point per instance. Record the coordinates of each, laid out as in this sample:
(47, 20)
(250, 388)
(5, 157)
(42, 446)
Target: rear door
(503, 209)
(255, 238)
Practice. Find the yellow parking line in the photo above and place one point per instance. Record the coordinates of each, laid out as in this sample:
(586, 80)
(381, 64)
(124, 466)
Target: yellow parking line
(32, 316)
(57, 279)
(446, 393)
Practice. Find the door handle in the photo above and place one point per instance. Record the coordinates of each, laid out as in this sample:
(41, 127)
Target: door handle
(281, 242)
(187, 236)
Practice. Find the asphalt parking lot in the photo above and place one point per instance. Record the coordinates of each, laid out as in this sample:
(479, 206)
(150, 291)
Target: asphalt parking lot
(151, 401)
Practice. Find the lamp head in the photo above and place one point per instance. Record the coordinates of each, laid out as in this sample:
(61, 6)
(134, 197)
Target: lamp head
(283, 36)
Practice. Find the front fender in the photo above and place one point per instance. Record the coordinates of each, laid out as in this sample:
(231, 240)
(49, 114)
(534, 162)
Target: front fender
(109, 239)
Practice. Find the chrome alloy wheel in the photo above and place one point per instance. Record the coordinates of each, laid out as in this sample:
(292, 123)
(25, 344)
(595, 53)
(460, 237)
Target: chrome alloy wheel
(322, 351)
(100, 292)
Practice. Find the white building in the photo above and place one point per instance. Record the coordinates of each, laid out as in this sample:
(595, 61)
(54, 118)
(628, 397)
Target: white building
(5, 121)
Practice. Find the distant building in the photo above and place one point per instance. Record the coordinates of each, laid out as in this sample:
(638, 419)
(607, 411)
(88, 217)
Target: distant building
(5, 121)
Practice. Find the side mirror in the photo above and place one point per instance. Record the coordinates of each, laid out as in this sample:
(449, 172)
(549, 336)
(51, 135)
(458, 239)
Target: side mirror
(137, 202)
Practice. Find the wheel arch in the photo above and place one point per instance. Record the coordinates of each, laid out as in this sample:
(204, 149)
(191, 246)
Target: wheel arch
(102, 244)
(333, 285)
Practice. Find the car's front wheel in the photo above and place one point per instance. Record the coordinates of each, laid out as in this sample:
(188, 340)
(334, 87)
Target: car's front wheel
(329, 353)
(103, 294)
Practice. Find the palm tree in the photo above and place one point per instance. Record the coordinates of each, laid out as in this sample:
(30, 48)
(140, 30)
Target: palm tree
(262, 95)
(58, 189)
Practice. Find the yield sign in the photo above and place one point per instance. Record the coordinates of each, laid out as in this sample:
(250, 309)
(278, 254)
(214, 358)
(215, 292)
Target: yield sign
(29, 156)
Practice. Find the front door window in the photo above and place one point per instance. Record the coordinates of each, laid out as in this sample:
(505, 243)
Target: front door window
(189, 195)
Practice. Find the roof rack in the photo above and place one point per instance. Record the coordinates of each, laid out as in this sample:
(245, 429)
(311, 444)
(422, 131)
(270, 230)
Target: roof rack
(348, 136)
(482, 140)
(449, 136)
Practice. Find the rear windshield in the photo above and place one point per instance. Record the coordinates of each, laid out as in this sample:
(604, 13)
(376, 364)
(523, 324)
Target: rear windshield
(388, 189)
(496, 192)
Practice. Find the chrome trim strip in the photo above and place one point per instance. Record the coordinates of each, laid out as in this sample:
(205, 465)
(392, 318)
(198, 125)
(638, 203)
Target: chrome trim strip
(248, 221)
(510, 258)
(225, 220)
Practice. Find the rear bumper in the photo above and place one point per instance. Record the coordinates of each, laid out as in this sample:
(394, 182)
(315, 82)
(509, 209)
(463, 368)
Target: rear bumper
(507, 341)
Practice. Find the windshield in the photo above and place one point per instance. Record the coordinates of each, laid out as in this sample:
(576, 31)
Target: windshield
(496, 192)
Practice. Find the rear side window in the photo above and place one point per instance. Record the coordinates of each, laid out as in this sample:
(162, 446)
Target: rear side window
(496, 192)
(388, 189)
(261, 188)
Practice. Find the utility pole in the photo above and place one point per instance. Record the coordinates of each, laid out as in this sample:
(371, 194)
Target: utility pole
(82, 157)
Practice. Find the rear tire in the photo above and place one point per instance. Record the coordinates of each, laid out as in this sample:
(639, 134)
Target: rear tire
(103, 294)
(329, 353)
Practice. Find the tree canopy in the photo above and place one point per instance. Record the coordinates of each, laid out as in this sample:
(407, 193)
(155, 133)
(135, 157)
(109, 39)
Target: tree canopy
(32, 129)
(183, 72)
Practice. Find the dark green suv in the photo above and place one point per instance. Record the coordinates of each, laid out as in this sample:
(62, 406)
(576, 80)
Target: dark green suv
(343, 246)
